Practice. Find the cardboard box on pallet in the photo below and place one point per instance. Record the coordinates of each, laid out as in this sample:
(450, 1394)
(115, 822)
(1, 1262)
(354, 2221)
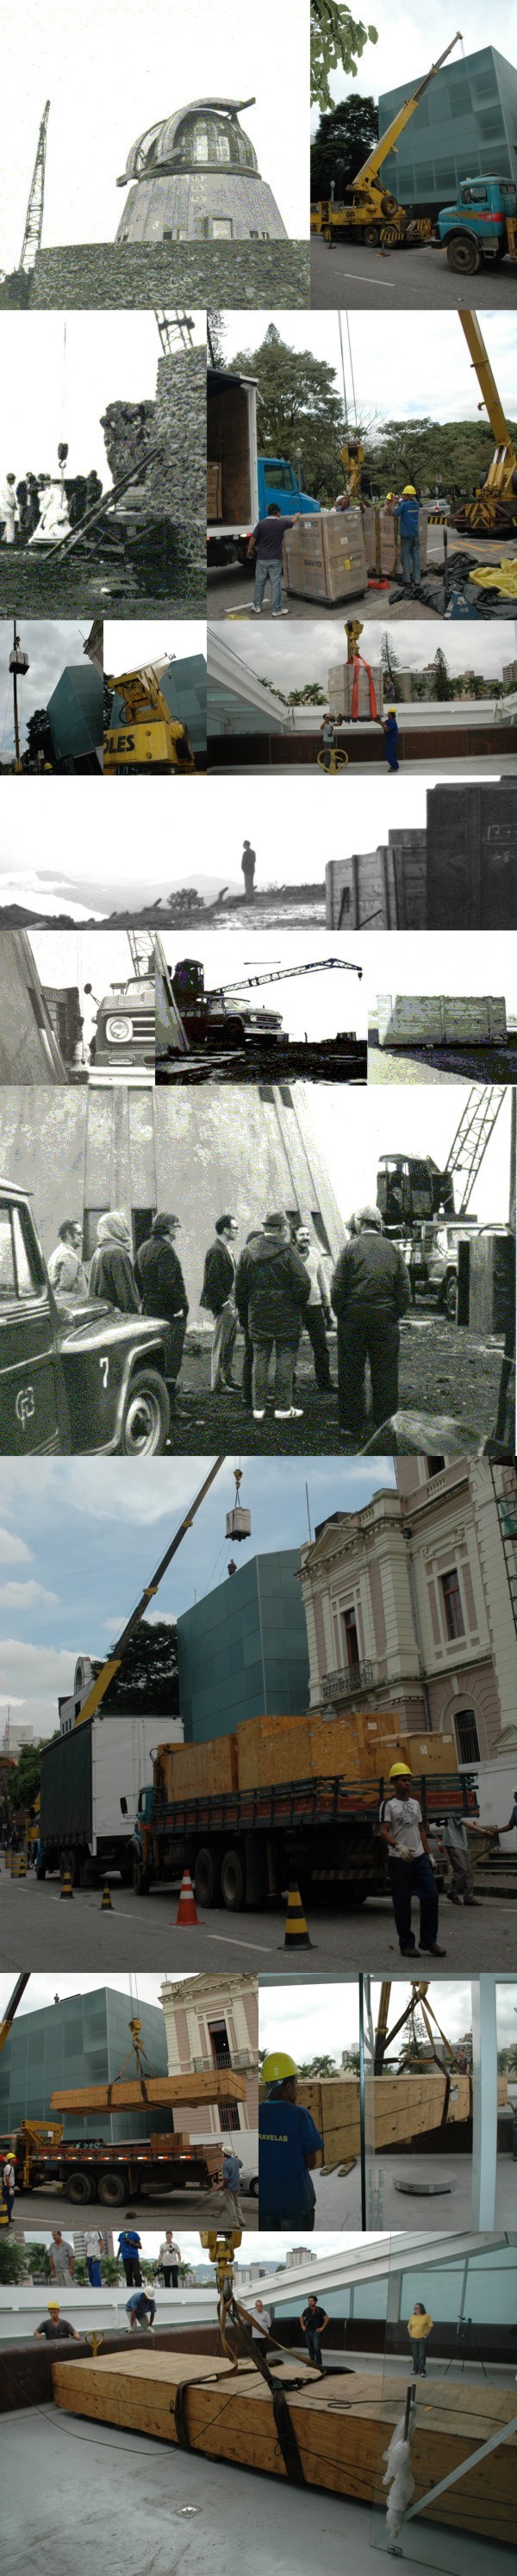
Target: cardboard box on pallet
(382, 539)
(324, 557)
(342, 693)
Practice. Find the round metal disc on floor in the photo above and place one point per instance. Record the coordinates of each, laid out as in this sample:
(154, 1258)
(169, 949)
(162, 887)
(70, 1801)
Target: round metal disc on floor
(426, 2190)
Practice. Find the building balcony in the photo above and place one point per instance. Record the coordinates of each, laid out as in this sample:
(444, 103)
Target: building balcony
(350, 1681)
(242, 2061)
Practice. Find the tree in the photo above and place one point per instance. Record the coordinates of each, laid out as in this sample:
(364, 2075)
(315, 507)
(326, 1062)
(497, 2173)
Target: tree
(347, 135)
(310, 696)
(319, 2067)
(22, 1783)
(441, 686)
(13, 2259)
(148, 1680)
(39, 737)
(390, 664)
(336, 39)
(215, 331)
(298, 409)
(38, 2258)
(455, 453)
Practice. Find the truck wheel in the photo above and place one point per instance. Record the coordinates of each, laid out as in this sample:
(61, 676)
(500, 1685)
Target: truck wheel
(464, 255)
(111, 2190)
(146, 1418)
(232, 1882)
(371, 236)
(234, 1034)
(141, 1878)
(389, 237)
(207, 1877)
(79, 2188)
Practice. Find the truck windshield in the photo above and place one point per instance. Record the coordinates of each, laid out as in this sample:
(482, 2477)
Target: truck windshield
(280, 478)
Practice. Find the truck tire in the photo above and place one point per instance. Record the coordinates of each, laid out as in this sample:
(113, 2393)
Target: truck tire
(141, 1878)
(146, 1417)
(112, 2189)
(234, 1034)
(464, 255)
(207, 1876)
(79, 2188)
(390, 237)
(232, 1881)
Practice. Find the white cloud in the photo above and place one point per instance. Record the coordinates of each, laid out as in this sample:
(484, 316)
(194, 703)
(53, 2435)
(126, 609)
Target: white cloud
(33, 1678)
(20, 1596)
(13, 1550)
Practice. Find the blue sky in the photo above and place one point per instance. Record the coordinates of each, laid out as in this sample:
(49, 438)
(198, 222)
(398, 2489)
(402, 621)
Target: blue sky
(80, 1537)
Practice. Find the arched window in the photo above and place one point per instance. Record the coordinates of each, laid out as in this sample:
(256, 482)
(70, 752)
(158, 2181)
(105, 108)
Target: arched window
(467, 1739)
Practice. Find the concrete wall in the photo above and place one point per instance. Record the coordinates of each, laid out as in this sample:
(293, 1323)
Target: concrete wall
(232, 275)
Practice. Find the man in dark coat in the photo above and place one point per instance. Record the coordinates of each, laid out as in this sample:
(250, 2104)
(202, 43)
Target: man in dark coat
(218, 1296)
(272, 1290)
(112, 1275)
(370, 1291)
(162, 1289)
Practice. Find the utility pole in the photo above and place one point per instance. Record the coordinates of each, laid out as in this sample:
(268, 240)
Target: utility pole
(34, 216)
(18, 663)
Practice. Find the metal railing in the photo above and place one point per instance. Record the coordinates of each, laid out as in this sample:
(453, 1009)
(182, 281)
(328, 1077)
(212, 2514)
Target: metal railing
(241, 2060)
(351, 1679)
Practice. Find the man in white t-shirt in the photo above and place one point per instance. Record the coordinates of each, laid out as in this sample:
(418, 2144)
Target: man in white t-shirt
(318, 1313)
(260, 2323)
(93, 2251)
(410, 1866)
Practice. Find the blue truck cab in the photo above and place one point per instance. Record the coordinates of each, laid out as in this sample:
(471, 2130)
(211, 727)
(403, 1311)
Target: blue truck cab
(277, 482)
(481, 226)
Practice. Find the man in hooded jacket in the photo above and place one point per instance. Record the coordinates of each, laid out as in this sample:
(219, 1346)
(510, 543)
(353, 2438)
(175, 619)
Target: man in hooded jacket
(370, 1291)
(272, 1290)
(112, 1276)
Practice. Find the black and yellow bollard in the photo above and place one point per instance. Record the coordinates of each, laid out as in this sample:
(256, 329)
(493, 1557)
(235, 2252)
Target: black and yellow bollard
(66, 1884)
(106, 1904)
(4, 2214)
(22, 1872)
(296, 1935)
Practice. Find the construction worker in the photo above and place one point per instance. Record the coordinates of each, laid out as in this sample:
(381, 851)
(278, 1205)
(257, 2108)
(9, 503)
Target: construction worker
(141, 2311)
(370, 1291)
(410, 1866)
(248, 863)
(314, 2320)
(406, 511)
(62, 2257)
(453, 1836)
(54, 2326)
(391, 735)
(129, 2251)
(168, 2261)
(289, 2144)
(228, 2188)
(266, 545)
(328, 732)
(8, 2187)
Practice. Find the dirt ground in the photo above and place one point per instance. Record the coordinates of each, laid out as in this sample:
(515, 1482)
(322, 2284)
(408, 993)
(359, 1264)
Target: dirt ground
(443, 1370)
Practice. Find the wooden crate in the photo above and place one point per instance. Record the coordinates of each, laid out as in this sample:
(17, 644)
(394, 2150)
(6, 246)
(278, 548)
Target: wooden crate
(343, 2426)
(128, 2094)
(403, 2107)
(201, 1770)
(272, 1749)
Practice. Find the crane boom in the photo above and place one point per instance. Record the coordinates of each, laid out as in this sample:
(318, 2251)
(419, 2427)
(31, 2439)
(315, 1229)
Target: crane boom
(386, 141)
(472, 1135)
(34, 216)
(12, 2007)
(281, 974)
(113, 1662)
(486, 380)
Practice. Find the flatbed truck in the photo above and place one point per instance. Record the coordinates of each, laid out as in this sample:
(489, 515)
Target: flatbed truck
(242, 1845)
(93, 2169)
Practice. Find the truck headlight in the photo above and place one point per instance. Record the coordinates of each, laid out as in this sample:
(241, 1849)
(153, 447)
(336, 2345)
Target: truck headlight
(118, 1032)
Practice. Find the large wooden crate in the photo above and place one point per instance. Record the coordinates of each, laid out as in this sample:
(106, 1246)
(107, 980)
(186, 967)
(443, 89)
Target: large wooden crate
(343, 2426)
(272, 1749)
(200, 1770)
(399, 2108)
(128, 2094)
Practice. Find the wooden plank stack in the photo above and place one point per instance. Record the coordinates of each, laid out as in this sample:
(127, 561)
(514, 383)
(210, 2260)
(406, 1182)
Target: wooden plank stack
(398, 2109)
(199, 1770)
(343, 2425)
(128, 2093)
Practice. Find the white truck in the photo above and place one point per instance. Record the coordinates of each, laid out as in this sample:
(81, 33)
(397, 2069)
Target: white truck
(91, 1781)
(435, 1019)
(241, 485)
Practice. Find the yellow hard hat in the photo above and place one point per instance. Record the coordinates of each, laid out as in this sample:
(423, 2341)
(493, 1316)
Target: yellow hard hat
(53, 2304)
(400, 1771)
(392, 711)
(409, 487)
(277, 2067)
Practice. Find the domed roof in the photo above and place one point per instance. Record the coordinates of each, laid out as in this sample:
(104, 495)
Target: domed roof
(205, 135)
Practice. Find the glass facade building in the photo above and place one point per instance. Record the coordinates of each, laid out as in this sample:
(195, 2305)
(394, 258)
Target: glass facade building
(83, 2039)
(75, 717)
(464, 126)
(243, 1651)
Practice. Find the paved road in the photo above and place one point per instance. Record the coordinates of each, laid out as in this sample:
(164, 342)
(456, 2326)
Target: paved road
(37, 2209)
(36, 1926)
(349, 276)
(230, 591)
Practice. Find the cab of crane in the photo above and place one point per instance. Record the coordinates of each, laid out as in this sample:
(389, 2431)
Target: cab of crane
(188, 981)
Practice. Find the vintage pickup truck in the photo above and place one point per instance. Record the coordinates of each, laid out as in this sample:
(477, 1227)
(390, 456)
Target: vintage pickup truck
(74, 1377)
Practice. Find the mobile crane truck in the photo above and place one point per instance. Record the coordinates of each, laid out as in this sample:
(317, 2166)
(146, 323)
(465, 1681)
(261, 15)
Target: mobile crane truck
(210, 1020)
(368, 211)
(149, 737)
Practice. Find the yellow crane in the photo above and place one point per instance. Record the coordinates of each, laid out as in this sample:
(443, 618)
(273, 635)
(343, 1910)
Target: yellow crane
(149, 737)
(494, 506)
(369, 211)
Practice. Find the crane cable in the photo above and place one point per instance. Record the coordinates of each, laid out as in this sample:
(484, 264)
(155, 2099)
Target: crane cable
(345, 403)
(351, 365)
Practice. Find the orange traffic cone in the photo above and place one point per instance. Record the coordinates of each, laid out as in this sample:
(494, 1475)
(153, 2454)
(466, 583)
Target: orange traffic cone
(187, 1908)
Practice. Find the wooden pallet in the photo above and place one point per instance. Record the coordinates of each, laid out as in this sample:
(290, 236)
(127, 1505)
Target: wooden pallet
(129, 2093)
(397, 2108)
(343, 2425)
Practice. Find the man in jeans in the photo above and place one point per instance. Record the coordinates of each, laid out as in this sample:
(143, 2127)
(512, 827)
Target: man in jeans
(129, 2251)
(266, 544)
(272, 1291)
(410, 1866)
(406, 511)
(313, 2319)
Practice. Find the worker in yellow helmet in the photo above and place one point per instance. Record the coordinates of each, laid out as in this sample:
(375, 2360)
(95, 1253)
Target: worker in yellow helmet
(289, 2143)
(406, 511)
(411, 1870)
(391, 736)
